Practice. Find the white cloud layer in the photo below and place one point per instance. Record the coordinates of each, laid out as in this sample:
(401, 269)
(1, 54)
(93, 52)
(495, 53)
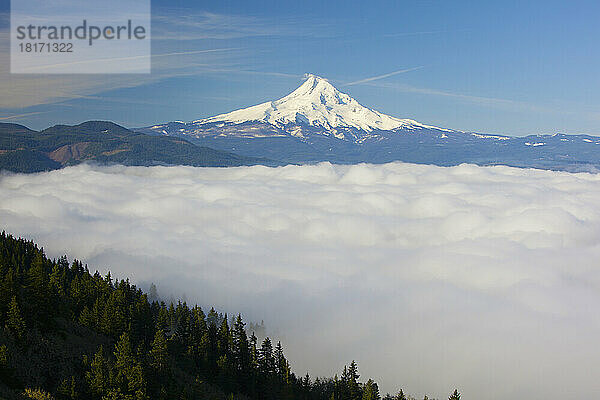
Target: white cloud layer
(487, 279)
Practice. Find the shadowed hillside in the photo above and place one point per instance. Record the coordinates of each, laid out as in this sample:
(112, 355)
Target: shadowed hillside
(25, 150)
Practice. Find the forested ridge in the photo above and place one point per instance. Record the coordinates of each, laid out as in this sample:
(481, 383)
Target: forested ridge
(68, 334)
(103, 142)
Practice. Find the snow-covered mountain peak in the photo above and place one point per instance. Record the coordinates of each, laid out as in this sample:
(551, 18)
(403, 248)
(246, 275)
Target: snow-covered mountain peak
(317, 89)
(319, 104)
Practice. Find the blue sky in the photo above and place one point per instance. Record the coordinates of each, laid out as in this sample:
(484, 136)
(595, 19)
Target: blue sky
(500, 67)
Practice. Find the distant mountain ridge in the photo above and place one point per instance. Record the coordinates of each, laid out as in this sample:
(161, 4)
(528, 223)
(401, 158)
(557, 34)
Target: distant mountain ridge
(317, 122)
(26, 150)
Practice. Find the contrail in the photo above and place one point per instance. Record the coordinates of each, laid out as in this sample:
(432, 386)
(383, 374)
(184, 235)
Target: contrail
(374, 78)
(400, 34)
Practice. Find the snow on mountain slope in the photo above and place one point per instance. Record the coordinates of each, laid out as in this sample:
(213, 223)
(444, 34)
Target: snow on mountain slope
(317, 122)
(319, 104)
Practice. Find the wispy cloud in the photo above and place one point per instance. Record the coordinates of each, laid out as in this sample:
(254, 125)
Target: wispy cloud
(195, 25)
(375, 78)
(422, 33)
(32, 90)
(19, 116)
(481, 100)
(243, 71)
(206, 25)
(113, 59)
(193, 59)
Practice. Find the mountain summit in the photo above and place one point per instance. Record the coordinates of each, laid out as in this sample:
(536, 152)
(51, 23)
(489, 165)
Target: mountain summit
(315, 103)
(317, 122)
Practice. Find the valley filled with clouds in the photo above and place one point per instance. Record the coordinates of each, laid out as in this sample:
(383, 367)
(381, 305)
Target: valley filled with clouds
(481, 278)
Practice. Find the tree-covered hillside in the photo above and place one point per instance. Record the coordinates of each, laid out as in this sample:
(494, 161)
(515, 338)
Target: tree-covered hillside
(25, 150)
(68, 334)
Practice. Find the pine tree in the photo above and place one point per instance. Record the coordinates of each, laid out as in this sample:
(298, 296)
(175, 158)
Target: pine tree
(280, 361)
(370, 391)
(15, 324)
(266, 361)
(224, 338)
(211, 349)
(37, 288)
(198, 327)
(163, 322)
(306, 384)
(86, 318)
(68, 389)
(455, 395)
(56, 282)
(225, 358)
(7, 291)
(129, 380)
(153, 293)
(193, 357)
(97, 377)
(253, 351)
(241, 350)
(159, 352)
(352, 381)
(401, 395)
(213, 317)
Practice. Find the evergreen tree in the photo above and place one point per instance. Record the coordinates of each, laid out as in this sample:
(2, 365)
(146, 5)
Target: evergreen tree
(370, 391)
(37, 288)
(280, 361)
(401, 395)
(57, 281)
(266, 362)
(224, 338)
(159, 352)
(213, 317)
(253, 351)
(7, 291)
(153, 293)
(67, 389)
(224, 357)
(241, 352)
(198, 328)
(352, 381)
(15, 324)
(212, 349)
(455, 395)
(163, 321)
(129, 380)
(98, 376)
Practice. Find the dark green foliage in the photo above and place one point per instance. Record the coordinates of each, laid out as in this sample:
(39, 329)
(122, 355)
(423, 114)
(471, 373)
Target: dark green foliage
(24, 160)
(15, 324)
(455, 395)
(159, 353)
(72, 335)
(370, 391)
(25, 150)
